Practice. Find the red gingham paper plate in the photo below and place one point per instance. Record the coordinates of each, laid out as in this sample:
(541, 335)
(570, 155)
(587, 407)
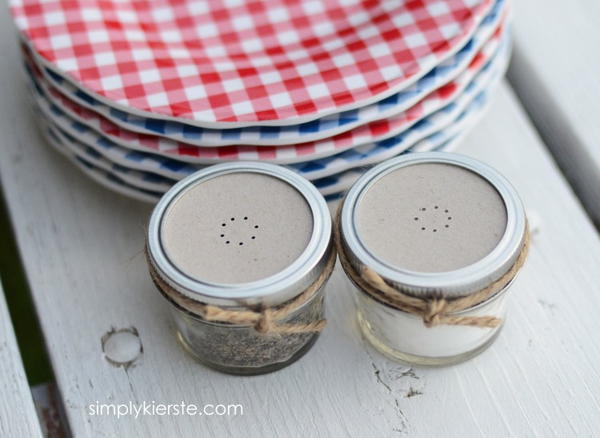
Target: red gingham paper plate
(102, 128)
(226, 63)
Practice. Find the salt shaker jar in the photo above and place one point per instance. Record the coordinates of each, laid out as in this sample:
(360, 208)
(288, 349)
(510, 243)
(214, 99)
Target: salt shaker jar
(431, 242)
(241, 252)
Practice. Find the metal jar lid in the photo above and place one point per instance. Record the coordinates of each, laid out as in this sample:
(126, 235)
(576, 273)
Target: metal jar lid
(240, 234)
(433, 224)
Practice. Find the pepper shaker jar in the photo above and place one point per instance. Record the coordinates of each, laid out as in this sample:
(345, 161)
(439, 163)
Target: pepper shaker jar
(431, 242)
(242, 252)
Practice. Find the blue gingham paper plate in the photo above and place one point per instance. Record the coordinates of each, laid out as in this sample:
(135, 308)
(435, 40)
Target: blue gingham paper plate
(446, 139)
(376, 152)
(105, 178)
(150, 187)
(281, 135)
(332, 188)
(136, 178)
(75, 136)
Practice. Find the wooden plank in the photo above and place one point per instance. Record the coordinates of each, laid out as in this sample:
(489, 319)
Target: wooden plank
(17, 412)
(556, 74)
(82, 249)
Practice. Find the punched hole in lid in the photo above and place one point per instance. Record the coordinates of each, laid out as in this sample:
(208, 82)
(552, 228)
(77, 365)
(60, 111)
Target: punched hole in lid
(435, 220)
(238, 231)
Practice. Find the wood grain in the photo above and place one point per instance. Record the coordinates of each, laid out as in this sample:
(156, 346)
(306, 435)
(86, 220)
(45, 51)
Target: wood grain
(17, 412)
(82, 250)
(556, 71)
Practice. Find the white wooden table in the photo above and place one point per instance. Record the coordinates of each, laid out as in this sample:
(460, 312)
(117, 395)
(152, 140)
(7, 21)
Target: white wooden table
(17, 413)
(82, 252)
(556, 72)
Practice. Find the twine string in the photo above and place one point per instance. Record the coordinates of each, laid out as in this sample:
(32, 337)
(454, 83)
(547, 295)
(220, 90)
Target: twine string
(432, 310)
(264, 321)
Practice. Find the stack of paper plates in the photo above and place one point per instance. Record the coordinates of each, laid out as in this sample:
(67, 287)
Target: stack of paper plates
(140, 94)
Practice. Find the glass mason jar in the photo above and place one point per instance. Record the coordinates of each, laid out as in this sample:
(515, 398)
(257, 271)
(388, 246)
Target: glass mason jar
(242, 252)
(432, 242)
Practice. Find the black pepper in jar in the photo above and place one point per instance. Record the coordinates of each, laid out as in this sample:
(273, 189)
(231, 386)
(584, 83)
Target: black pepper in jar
(242, 252)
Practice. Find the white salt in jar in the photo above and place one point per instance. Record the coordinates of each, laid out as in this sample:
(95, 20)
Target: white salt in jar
(432, 242)
(242, 252)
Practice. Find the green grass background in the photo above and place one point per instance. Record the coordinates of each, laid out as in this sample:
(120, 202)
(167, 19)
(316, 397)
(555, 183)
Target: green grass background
(20, 306)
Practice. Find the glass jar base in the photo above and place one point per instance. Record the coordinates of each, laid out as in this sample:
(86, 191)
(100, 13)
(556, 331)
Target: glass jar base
(247, 371)
(411, 359)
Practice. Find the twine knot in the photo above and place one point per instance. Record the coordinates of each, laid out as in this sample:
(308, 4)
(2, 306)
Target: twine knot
(435, 308)
(433, 311)
(265, 322)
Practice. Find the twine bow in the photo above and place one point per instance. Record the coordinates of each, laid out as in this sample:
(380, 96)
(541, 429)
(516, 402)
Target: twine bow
(433, 310)
(264, 321)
